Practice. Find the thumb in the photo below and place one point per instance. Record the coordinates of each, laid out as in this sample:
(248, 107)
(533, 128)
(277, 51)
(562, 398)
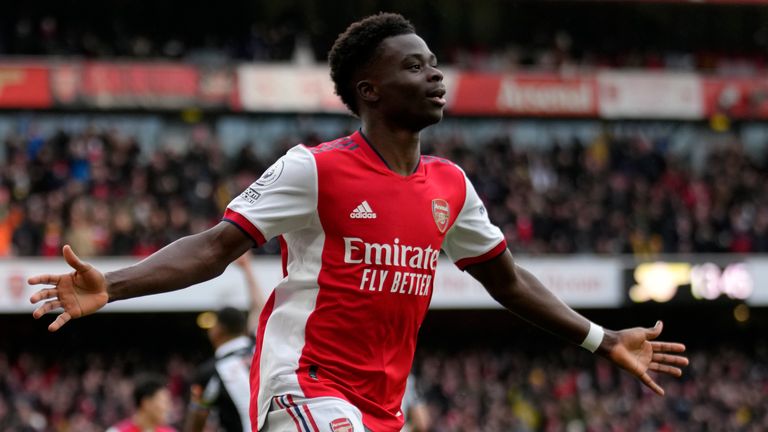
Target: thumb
(654, 331)
(73, 260)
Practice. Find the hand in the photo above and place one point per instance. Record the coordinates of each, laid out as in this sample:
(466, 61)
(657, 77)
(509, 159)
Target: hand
(196, 394)
(635, 352)
(80, 293)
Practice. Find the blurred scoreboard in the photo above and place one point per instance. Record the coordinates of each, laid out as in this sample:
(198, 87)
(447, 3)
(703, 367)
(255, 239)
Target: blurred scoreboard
(689, 282)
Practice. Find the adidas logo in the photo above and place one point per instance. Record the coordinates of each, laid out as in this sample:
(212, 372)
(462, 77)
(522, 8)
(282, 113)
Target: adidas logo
(363, 211)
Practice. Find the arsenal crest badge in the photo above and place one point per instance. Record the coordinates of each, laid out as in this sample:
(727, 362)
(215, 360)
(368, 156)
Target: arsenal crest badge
(441, 212)
(342, 425)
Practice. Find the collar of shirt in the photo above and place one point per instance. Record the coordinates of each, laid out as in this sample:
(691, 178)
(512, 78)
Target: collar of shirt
(238, 343)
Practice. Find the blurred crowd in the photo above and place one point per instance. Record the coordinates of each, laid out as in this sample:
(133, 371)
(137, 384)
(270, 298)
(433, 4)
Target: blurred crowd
(619, 195)
(466, 391)
(84, 393)
(98, 191)
(492, 391)
(493, 35)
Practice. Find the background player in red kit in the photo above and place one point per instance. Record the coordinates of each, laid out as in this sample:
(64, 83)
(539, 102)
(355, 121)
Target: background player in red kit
(153, 407)
(362, 220)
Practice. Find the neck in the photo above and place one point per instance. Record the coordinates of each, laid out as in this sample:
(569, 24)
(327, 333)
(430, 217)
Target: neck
(221, 341)
(399, 147)
(144, 421)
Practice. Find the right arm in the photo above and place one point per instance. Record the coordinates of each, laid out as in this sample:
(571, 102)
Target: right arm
(187, 261)
(282, 200)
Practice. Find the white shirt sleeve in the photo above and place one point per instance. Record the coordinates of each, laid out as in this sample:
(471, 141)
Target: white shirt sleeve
(282, 200)
(473, 238)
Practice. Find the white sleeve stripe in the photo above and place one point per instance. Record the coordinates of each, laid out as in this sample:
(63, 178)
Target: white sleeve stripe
(488, 255)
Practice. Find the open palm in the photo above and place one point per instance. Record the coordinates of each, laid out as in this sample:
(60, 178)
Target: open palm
(637, 352)
(79, 293)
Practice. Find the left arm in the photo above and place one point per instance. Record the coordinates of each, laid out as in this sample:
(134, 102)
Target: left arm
(521, 293)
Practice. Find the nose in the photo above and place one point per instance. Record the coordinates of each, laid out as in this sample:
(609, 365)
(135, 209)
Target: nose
(435, 74)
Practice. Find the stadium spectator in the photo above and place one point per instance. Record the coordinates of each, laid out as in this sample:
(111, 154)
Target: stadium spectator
(152, 400)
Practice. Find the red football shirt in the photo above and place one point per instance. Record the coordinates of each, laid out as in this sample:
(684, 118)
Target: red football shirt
(129, 426)
(360, 245)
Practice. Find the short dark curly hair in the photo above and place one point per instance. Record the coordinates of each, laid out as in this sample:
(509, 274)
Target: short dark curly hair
(356, 47)
(232, 321)
(146, 386)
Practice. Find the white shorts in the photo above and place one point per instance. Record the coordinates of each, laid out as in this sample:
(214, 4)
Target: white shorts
(289, 413)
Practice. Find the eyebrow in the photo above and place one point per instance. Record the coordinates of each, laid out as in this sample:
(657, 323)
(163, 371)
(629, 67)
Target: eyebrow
(419, 56)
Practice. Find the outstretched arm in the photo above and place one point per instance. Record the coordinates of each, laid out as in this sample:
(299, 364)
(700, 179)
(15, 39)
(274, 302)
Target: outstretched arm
(632, 349)
(187, 261)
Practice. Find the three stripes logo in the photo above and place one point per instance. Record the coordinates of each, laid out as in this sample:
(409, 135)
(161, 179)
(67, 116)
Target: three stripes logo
(363, 211)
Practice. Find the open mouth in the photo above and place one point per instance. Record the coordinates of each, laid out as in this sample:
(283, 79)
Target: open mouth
(437, 96)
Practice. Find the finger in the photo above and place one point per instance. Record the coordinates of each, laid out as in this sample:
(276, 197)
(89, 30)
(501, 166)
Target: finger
(73, 260)
(670, 359)
(658, 367)
(45, 308)
(46, 279)
(44, 294)
(654, 332)
(650, 383)
(62, 319)
(667, 346)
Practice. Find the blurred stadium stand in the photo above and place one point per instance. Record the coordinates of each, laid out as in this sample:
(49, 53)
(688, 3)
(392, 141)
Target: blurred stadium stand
(621, 147)
(492, 34)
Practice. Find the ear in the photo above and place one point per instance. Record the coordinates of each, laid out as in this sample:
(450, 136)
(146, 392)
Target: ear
(367, 91)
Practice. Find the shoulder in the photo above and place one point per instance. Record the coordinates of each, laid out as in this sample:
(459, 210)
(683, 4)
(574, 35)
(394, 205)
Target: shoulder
(429, 159)
(295, 164)
(330, 156)
(334, 148)
(299, 153)
(435, 164)
(444, 169)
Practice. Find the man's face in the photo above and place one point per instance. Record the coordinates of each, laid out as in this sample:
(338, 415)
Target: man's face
(409, 85)
(158, 407)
